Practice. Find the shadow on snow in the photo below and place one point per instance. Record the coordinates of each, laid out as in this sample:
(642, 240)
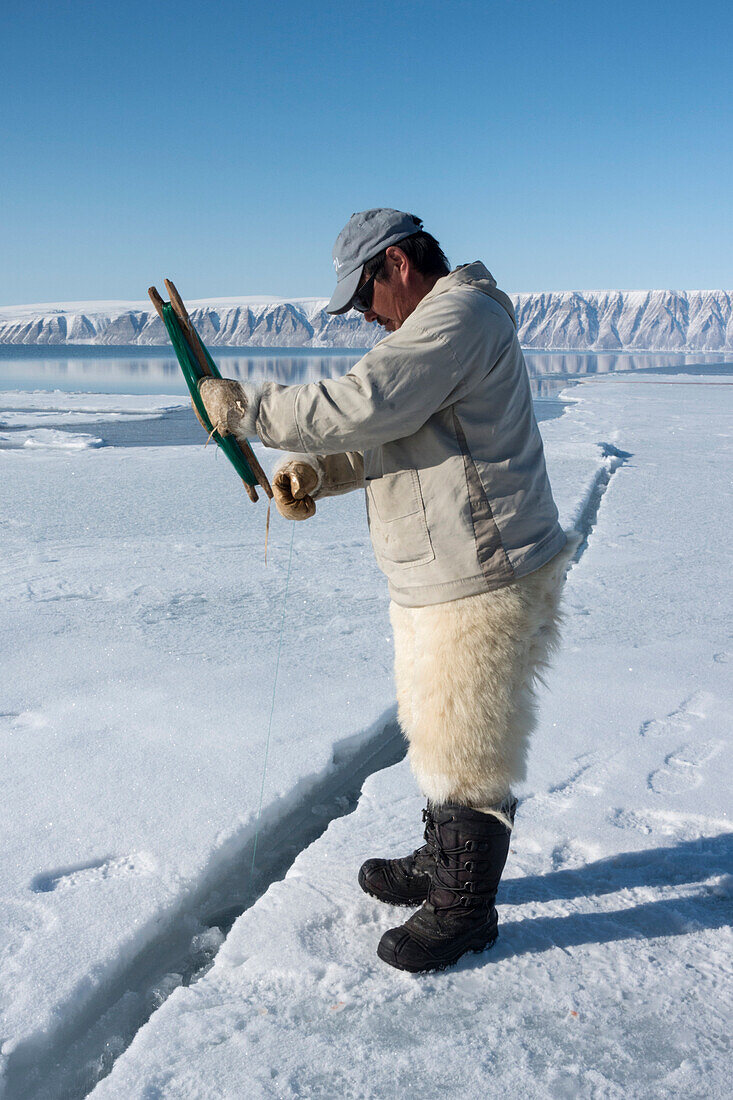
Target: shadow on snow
(688, 862)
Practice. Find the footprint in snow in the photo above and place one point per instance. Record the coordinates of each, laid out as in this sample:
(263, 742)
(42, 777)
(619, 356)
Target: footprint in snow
(679, 721)
(680, 827)
(569, 854)
(681, 769)
(92, 872)
(629, 819)
(22, 922)
(577, 780)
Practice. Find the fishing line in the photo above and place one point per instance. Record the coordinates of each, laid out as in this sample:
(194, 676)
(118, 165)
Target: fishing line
(272, 707)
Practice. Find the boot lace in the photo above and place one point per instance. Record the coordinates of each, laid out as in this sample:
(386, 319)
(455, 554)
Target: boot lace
(461, 879)
(430, 847)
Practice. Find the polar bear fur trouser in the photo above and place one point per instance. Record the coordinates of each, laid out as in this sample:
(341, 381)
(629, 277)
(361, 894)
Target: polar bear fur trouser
(465, 674)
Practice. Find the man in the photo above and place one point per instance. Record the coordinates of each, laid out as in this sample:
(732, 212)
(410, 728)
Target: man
(436, 423)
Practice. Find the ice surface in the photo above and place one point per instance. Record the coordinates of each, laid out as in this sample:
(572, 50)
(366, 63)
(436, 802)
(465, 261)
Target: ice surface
(48, 438)
(140, 630)
(612, 975)
(19, 405)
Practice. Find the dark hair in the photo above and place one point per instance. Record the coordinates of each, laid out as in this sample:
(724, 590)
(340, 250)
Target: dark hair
(421, 249)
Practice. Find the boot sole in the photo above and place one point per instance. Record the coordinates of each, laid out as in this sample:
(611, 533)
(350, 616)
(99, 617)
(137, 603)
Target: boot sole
(407, 903)
(431, 968)
(411, 904)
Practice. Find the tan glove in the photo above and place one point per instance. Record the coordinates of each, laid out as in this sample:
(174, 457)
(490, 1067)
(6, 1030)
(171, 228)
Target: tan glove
(291, 485)
(226, 404)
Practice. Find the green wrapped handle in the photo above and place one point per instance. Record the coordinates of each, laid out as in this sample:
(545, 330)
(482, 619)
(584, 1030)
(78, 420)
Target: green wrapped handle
(193, 373)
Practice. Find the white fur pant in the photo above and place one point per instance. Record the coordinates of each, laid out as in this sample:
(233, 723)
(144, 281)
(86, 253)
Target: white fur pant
(465, 674)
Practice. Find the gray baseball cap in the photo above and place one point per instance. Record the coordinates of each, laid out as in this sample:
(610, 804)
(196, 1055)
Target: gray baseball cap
(363, 236)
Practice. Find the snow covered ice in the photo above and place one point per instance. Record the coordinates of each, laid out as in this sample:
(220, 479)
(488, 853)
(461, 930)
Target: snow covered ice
(139, 637)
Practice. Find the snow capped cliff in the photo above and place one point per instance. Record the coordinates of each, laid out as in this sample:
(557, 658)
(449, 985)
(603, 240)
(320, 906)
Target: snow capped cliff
(663, 320)
(640, 320)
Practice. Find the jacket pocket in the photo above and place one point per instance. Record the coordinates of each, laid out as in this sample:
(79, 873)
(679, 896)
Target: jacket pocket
(397, 522)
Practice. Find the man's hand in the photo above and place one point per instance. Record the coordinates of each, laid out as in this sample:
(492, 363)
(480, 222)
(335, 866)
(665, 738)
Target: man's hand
(226, 404)
(291, 485)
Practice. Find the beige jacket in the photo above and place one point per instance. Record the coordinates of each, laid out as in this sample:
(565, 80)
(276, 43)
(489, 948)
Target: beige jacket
(436, 422)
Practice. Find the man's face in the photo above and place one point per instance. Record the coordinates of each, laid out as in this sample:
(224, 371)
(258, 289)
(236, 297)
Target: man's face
(397, 291)
(387, 308)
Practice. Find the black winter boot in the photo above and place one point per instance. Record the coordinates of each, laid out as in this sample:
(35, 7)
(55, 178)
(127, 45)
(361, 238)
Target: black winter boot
(404, 881)
(459, 914)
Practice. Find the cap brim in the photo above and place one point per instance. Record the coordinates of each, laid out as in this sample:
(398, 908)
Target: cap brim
(344, 292)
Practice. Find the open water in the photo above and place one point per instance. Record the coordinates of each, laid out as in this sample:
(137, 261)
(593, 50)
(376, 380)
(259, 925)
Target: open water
(156, 371)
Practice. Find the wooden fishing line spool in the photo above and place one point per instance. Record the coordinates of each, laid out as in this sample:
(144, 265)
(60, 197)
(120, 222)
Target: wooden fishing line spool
(196, 363)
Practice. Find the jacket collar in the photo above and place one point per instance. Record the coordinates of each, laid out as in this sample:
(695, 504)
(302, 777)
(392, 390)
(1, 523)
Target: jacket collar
(475, 275)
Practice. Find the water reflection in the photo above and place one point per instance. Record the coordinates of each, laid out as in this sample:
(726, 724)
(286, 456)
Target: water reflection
(155, 371)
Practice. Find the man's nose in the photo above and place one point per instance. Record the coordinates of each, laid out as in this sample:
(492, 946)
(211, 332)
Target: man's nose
(370, 316)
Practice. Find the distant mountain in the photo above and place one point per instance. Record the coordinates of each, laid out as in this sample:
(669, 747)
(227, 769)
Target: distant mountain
(598, 320)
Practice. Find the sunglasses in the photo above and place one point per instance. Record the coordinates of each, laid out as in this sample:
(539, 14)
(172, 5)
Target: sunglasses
(362, 300)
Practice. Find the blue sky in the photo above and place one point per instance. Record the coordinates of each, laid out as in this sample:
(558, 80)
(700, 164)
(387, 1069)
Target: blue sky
(569, 145)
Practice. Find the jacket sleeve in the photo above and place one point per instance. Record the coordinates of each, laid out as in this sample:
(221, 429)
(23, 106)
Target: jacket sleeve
(387, 395)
